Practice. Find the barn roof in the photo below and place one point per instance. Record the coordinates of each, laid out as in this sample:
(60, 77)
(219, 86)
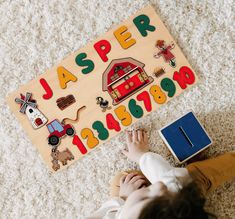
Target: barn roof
(111, 66)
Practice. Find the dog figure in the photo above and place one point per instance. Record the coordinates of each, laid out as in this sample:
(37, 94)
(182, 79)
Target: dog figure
(63, 156)
(55, 165)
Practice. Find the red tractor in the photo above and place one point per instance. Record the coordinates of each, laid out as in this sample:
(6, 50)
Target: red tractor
(57, 131)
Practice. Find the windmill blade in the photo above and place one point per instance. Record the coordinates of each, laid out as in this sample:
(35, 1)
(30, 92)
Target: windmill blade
(19, 101)
(23, 108)
(28, 95)
(34, 105)
(25, 103)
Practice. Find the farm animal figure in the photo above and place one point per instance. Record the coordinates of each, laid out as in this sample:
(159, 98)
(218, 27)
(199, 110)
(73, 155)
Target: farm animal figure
(165, 52)
(28, 106)
(104, 104)
(55, 165)
(63, 156)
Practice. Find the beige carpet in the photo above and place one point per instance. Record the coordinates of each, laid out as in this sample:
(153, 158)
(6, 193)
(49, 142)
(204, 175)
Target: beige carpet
(34, 35)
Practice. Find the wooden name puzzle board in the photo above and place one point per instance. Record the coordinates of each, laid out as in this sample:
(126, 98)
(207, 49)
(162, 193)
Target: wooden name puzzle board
(101, 89)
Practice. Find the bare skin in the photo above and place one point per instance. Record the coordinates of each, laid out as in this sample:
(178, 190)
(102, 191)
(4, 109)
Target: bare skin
(132, 186)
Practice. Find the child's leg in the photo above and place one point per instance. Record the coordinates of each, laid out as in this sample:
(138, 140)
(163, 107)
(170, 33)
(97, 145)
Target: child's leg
(115, 182)
(211, 173)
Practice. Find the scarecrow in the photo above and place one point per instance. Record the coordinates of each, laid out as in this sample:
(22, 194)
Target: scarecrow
(165, 52)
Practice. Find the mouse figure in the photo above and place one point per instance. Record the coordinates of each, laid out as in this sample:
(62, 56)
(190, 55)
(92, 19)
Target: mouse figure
(104, 104)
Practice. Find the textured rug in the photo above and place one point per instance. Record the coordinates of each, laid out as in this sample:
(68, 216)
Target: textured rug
(34, 35)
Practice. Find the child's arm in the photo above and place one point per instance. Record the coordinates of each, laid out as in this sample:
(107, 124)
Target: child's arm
(152, 165)
(128, 184)
(109, 209)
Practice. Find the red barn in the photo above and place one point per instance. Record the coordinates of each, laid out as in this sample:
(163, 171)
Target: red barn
(124, 77)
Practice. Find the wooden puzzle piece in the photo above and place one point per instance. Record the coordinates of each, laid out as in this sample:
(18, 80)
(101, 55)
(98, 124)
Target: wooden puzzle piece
(184, 76)
(65, 120)
(55, 165)
(63, 156)
(124, 37)
(168, 85)
(112, 123)
(135, 109)
(158, 72)
(123, 115)
(158, 96)
(144, 96)
(124, 77)
(103, 133)
(92, 141)
(28, 106)
(57, 130)
(104, 104)
(64, 102)
(103, 47)
(65, 76)
(165, 52)
(47, 88)
(77, 141)
(82, 61)
(142, 22)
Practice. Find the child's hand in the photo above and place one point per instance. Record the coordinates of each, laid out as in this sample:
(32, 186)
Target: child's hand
(130, 183)
(137, 141)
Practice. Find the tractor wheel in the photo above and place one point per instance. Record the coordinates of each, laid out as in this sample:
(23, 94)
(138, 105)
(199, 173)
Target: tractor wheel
(70, 131)
(53, 140)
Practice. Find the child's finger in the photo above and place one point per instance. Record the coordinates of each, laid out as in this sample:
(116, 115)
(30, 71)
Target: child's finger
(129, 177)
(136, 178)
(145, 137)
(140, 135)
(135, 136)
(129, 137)
(125, 152)
(139, 183)
(122, 179)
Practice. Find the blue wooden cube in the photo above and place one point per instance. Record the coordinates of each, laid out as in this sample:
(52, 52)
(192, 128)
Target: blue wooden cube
(185, 137)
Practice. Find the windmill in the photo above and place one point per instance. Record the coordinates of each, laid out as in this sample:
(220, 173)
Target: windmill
(28, 106)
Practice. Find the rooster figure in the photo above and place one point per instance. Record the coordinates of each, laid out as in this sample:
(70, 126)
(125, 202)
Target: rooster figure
(104, 104)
